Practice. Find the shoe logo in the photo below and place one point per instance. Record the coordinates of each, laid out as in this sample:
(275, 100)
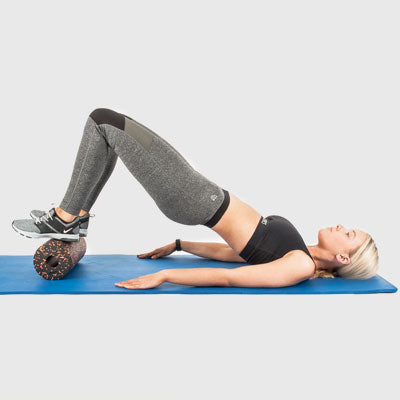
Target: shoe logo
(67, 230)
(213, 197)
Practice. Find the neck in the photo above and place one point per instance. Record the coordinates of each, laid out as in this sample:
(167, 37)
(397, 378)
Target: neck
(320, 257)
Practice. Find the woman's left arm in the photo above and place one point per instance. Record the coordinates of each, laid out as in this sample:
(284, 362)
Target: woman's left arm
(288, 270)
(185, 276)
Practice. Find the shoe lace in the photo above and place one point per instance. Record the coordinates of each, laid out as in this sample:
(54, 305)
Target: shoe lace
(47, 216)
(44, 217)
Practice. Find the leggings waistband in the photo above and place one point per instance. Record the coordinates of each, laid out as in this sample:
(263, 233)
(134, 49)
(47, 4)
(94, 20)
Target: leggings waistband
(221, 210)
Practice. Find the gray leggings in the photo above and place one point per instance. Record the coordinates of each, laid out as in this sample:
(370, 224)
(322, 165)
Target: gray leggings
(180, 192)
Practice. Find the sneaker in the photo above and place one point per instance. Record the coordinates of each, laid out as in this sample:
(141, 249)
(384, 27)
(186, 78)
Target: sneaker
(48, 225)
(83, 226)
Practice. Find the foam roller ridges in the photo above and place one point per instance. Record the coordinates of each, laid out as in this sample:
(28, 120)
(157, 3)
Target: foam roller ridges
(54, 259)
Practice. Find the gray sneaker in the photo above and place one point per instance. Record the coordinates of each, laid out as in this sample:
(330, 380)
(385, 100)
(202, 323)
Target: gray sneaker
(48, 225)
(83, 221)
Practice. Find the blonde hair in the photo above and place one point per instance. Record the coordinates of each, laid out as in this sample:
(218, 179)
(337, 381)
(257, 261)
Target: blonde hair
(364, 263)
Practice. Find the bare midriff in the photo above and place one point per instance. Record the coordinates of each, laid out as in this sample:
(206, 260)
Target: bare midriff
(238, 223)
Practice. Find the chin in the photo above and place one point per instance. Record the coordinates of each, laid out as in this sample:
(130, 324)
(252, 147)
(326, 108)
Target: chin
(322, 234)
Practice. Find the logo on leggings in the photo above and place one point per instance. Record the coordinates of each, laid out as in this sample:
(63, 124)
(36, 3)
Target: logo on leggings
(264, 221)
(213, 197)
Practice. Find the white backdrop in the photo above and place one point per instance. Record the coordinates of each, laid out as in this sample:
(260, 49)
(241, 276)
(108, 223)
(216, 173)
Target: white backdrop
(292, 106)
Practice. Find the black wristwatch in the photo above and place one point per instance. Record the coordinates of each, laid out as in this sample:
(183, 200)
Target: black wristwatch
(178, 244)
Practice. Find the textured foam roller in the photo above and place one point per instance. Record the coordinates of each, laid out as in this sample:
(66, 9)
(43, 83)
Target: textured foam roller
(54, 259)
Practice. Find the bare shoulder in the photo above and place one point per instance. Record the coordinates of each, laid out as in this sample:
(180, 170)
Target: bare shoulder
(302, 260)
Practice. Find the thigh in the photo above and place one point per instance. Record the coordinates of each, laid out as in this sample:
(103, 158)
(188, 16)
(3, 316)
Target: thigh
(186, 196)
(180, 192)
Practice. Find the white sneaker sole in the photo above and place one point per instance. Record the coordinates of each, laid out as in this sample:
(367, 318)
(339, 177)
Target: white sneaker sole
(59, 236)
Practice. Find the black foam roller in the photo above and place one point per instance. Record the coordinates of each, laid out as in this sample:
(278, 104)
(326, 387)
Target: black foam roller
(54, 259)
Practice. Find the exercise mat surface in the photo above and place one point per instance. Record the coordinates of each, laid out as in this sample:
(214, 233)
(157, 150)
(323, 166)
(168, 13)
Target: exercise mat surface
(96, 274)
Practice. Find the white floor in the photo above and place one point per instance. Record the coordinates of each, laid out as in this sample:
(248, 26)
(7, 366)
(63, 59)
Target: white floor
(197, 347)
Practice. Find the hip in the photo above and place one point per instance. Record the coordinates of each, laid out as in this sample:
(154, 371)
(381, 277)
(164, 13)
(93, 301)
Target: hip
(238, 223)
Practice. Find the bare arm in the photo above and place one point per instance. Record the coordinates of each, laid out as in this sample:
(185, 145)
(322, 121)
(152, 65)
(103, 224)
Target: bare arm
(214, 251)
(286, 271)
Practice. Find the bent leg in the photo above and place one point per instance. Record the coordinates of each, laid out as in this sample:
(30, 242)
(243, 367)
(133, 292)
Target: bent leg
(180, 192)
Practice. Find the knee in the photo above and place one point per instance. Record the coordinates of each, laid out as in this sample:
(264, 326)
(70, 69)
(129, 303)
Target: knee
(107, 116)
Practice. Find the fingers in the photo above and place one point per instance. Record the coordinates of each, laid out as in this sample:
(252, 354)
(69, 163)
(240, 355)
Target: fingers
(159, 252)
(147, 256)
(124, 285)
(152, 254)
(144, 255)
(136, 283)
(129, 284)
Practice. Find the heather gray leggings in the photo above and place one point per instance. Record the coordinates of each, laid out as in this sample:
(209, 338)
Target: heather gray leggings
(180, 192)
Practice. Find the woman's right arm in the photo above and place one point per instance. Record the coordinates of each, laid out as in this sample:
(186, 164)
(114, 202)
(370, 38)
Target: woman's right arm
(214, 251)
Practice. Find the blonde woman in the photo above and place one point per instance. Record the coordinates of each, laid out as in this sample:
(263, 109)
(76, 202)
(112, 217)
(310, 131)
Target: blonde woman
(271, 245)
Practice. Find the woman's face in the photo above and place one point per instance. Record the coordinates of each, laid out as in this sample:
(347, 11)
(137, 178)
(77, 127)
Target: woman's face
(340, 240)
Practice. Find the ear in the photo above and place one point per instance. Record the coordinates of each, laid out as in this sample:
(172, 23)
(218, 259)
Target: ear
(343, 259)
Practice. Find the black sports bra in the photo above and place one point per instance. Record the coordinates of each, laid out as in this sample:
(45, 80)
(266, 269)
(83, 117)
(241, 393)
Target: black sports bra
(273, 238)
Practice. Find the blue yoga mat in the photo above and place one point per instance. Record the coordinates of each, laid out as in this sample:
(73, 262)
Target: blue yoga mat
(96, 274)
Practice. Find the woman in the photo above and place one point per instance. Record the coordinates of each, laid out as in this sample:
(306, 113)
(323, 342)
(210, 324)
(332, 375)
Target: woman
(271, 245)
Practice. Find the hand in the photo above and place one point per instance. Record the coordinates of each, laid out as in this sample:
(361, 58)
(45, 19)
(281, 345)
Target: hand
(160, 252)
(143, 282)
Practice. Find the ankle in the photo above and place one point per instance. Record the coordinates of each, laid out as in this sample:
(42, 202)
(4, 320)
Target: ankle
(64, 216)
(82, 213)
